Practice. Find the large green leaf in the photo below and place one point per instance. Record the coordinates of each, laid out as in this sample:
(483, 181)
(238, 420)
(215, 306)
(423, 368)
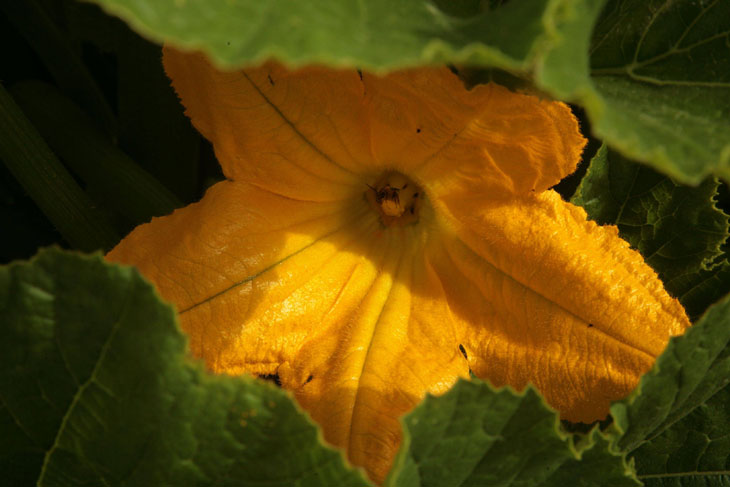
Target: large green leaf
(693, 452)
(96, 390)
(658, 87)
(678, 229)
(661, 69)
(692, 369)
(475, 435)
(375, 34)
(653, 75)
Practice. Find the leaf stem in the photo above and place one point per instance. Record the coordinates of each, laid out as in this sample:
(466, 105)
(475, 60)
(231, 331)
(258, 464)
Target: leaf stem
(48, 183)
(120, 183)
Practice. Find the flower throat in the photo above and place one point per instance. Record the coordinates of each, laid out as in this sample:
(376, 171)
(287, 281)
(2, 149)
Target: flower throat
(396, 198)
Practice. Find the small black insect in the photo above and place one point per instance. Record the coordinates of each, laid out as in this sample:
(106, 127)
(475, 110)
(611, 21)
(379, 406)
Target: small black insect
(388, 193)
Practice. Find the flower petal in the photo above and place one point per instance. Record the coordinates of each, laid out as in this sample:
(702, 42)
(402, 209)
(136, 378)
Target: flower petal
(347, 313)
(378, 359)
(311, 134)
(547, 297)
(486, 140)
(296, 133)
(221, 261)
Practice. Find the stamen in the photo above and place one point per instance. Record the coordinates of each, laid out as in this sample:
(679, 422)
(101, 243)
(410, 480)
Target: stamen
(395, 197)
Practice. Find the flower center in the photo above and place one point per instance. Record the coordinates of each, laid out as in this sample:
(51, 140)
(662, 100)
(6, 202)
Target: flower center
(397, 198)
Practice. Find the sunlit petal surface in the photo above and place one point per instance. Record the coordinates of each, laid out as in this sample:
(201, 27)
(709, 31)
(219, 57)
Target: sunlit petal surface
(378, 238)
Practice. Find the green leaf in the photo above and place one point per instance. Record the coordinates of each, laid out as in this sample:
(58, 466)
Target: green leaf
(41, 174)
(694, 451)
(96, 390)
(374, 35)
(654, 76)
(692, 369)
(700, 290)
(564, 70)
(475, 435)
(678, 229)
(120, 183)
(662, 71)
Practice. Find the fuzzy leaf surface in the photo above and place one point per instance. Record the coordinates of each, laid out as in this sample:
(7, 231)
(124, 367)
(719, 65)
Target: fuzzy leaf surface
(661, 69)
(678, 229)
(476, 435)
(376, 35)
(694, 451)
(96, 391)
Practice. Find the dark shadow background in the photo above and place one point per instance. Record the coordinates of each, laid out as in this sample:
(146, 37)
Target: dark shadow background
(147, 124)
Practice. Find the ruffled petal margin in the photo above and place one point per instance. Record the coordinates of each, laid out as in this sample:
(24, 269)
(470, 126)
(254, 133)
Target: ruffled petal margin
(315, 133)
(546, 296)
(286, 269)
(296, 133)
(488, 140)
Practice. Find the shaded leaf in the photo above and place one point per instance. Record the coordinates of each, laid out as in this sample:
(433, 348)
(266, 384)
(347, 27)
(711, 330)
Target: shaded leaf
(49, 184)
(694, 451)
(662, 71)
(65, 65)
(691, 370)
(475, 435)
(117, 180)
(21, 218)
(699, 290)
(152, 127)
(95, 391)
(678, 229)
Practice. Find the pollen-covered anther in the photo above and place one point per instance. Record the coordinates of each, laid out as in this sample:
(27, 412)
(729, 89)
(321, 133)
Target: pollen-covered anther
(396, 198)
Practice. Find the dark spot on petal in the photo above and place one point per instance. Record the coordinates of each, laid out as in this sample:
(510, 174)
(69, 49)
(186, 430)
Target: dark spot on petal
(405, 186)
(271, 378)
(309, 379)
(359, 73)
(271, 81)
(415, 195)
(413, 210)
(463, 351)
(418, 131)
(590, 325)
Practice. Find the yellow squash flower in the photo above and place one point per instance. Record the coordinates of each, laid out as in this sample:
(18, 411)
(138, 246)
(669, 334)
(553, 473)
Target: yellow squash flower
(379, 237)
